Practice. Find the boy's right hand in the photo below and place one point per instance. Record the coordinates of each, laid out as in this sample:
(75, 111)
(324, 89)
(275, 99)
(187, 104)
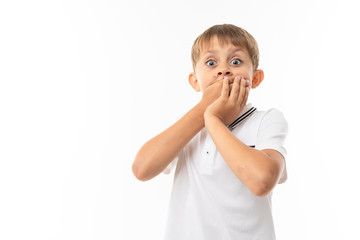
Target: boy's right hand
(212, 92)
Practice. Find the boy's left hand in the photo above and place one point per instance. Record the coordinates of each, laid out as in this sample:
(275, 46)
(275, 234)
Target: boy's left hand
(231, 101)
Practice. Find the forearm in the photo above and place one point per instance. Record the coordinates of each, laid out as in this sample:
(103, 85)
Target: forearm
(156, 154)
(251, 166)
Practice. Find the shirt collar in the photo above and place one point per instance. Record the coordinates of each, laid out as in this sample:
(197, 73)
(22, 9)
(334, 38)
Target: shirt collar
(246, 108)
(246, 112)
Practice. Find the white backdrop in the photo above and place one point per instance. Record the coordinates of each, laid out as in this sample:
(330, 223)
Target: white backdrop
(83, 84)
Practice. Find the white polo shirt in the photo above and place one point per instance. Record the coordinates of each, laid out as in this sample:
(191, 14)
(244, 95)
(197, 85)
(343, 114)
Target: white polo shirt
(208, 201)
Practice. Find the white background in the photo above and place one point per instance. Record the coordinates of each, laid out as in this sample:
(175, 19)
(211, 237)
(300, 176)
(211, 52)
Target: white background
(85, 83)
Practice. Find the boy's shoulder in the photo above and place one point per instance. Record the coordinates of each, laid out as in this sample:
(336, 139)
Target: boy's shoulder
(269, 116)
(259, 116)
(260, 121)
(272, 111)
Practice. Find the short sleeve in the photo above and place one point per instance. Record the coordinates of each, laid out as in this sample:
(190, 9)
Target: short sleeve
(272, 133)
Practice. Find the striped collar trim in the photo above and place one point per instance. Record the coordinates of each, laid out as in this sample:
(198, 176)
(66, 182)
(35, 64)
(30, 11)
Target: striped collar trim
(248, 110)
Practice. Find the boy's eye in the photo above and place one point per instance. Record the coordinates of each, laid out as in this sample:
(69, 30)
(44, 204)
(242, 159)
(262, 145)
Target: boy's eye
(210, 63)
(236, 61)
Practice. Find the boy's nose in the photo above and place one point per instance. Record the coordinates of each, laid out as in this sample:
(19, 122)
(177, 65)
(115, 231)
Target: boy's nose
(224, 73)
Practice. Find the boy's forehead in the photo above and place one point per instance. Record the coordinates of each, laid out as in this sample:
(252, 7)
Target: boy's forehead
(212, 45)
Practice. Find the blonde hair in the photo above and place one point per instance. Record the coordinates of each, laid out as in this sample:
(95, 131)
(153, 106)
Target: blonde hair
(227, 33)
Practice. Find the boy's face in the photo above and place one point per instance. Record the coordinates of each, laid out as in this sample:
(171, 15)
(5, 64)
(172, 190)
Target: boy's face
(217, 60)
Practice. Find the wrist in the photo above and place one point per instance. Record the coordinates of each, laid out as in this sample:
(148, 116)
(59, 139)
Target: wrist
(210, 118)
(199, 110)
(201, 107)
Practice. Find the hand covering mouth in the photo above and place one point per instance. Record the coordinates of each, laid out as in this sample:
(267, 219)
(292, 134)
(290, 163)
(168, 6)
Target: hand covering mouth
(231, 80)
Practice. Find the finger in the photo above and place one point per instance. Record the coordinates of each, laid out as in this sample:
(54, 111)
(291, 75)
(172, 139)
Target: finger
(248, 86)
(248, 83)
(234, 94)
(242, 91)
(225, 88)
(247, 91)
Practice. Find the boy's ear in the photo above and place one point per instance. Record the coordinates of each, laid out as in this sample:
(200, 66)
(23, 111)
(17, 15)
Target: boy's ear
(257, 79)
(194, 82)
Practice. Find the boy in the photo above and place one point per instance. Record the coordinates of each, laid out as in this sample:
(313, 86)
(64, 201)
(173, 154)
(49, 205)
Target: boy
(228, 156)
